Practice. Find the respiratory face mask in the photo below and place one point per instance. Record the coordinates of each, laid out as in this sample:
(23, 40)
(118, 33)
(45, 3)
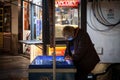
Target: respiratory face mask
(70, 39)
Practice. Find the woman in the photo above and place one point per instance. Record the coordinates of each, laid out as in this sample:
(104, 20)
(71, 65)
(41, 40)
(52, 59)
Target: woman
(81, 50)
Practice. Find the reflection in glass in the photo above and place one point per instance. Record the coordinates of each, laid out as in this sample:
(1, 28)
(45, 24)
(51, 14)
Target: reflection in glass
(65, 16)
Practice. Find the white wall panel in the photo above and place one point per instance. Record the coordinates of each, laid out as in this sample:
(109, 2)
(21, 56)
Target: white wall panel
(109, 40)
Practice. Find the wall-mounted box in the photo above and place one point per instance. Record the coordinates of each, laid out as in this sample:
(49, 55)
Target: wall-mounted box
(99, 50)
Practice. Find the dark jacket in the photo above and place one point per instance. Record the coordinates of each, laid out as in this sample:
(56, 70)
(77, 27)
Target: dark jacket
(85, 56)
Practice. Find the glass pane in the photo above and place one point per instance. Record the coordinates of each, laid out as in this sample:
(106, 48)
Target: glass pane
(37, 19)
(65, 16)
(66, 13)
(32, 20)
(32, 25)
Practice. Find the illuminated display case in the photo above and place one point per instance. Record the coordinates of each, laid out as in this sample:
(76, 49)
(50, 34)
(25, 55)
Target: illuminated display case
(42, 67)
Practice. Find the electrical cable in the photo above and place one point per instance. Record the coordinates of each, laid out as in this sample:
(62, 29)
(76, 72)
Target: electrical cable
(93, 8)
(97, 12)
(100, 9)
(110, 24)
(95, 28)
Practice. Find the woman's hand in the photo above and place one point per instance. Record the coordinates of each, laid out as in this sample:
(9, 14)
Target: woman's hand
(68, 58)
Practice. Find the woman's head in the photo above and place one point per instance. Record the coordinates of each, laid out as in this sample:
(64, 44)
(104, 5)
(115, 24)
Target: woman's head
(68, 32)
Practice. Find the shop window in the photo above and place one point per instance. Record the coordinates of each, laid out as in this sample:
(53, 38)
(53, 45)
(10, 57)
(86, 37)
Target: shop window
(64, 15)
(32, 20)
(32, 25)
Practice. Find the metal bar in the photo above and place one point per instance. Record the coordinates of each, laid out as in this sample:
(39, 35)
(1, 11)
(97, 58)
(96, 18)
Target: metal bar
(46, 26)
(53, 38)
(52, 33)
(84, 15)
(32, 22)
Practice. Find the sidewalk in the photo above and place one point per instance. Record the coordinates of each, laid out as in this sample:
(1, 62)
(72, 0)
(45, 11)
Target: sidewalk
(13, 67)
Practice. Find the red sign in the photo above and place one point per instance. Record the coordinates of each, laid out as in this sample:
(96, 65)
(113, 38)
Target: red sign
(67, 3)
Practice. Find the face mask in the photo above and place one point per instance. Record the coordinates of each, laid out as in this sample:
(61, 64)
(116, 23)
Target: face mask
(70, 39)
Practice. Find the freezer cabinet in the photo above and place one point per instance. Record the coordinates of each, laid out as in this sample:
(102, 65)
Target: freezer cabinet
(42, 68)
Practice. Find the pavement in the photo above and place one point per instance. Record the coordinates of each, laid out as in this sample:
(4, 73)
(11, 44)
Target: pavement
(14, 67)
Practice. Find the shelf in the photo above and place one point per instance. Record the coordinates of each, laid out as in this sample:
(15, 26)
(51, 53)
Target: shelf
(31, 42)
